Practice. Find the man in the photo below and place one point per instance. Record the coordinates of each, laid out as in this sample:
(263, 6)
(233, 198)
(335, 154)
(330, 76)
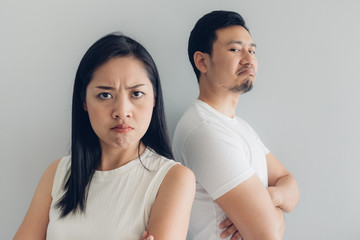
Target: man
(240, 184)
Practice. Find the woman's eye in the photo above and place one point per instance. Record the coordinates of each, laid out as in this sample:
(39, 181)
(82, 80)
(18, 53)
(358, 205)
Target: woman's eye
(137, 94)
(104, 95)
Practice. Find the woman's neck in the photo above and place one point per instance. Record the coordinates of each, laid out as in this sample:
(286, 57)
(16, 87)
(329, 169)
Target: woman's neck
(112, 158)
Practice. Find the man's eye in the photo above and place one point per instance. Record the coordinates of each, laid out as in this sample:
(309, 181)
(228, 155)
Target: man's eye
(105, 95)
(252, 52)
(234, 50)
(137, 94)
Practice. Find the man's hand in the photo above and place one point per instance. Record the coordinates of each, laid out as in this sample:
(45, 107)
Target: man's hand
(229, 229)
(283, 188)
(145, 236)
(275, 196)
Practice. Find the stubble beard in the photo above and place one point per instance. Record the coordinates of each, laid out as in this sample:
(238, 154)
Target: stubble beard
(243, 87)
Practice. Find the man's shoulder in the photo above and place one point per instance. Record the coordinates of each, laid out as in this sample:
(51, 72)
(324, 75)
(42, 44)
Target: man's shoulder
(189, 114)
(191, 126)
(189, 120)
(195, 115)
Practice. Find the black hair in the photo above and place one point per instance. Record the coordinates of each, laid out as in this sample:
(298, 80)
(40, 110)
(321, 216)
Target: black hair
(85, 145)
(203, 34)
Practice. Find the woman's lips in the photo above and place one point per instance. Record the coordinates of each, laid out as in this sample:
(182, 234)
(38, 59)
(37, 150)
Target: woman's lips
(122, 128)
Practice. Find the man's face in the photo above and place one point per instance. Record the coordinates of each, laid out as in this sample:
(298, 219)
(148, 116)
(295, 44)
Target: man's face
(232, 64)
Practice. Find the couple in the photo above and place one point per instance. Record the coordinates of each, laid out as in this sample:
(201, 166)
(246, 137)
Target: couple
(120, 182)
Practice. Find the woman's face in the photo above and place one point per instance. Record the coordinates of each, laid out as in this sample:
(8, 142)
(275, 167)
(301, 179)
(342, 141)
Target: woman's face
(120, 102)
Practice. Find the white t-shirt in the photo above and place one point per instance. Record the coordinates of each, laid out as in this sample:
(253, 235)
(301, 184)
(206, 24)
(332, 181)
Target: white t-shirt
(222, 152)
(118, 204)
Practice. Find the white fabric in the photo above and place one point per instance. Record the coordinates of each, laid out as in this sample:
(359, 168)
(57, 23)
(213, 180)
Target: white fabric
(222, 152)
(118, 204)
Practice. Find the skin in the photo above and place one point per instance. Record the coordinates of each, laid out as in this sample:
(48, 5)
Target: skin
(232, 64)
(36, 220)
(145, 236)
(120, 101)
(119, 94)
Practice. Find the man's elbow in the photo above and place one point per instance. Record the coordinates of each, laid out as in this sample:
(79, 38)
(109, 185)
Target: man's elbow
(274, 231)
(274, 234)
(293, 203)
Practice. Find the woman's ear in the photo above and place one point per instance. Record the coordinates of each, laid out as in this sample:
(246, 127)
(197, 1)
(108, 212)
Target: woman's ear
(84, 106)
(200, 60)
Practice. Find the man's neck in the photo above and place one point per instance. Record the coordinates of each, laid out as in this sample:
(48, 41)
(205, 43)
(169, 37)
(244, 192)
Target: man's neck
(223, 103)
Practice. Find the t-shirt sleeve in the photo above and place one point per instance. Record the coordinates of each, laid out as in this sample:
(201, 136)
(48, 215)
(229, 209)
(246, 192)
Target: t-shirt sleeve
(220, 162)
(257, 138)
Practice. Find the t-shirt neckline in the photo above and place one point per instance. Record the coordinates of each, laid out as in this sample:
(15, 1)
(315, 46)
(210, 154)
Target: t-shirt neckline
(123, 168)
(214, 111)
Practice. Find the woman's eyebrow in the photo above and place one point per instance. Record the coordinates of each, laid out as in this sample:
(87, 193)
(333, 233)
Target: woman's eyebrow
(136, 86)
(112, 88)
(105, 87)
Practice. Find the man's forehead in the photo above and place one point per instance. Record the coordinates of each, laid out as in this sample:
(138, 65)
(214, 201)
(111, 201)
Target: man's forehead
(234, 35)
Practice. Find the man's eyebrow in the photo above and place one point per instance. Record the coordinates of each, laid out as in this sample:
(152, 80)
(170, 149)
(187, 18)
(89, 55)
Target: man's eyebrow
(241, 43)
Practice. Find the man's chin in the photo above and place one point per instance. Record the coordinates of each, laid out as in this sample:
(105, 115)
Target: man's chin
(242, 88)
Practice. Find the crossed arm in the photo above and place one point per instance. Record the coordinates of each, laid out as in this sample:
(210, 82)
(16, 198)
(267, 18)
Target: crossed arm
(259, 215)
(36, 220)
(169, 217)
(170, 214)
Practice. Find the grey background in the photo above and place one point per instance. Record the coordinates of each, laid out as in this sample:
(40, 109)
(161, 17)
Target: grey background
(305, 104)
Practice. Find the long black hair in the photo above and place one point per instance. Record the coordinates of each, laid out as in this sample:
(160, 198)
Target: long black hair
(85, 145)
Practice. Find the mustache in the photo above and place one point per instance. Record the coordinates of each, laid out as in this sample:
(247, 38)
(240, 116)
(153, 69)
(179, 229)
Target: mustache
(240, 70)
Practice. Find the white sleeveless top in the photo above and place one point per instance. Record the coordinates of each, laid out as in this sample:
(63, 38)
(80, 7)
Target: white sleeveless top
(118, 204)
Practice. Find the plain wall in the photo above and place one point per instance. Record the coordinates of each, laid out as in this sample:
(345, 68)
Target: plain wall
(305, 104)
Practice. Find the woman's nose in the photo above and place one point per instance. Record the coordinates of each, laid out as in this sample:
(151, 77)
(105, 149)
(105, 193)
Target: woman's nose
(122, 109)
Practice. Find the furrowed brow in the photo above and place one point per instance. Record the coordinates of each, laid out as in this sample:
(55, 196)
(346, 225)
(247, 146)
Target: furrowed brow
(105, 87)
(136, 86)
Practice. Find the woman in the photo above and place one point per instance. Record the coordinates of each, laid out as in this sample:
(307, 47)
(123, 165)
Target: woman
(118, 181)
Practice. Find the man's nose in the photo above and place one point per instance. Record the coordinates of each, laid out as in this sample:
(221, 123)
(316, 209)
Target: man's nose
(248, 58)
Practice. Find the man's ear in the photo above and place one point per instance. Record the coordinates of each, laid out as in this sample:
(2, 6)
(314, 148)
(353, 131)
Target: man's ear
(201, 60)
(84, 106)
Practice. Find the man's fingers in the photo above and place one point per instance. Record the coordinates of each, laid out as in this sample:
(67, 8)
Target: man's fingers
(228, 232)
(145, 236)
(225, 223)
(236, 236)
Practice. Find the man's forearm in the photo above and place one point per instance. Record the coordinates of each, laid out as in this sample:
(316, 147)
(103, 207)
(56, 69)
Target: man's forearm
(285, 193)
(282, 225)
